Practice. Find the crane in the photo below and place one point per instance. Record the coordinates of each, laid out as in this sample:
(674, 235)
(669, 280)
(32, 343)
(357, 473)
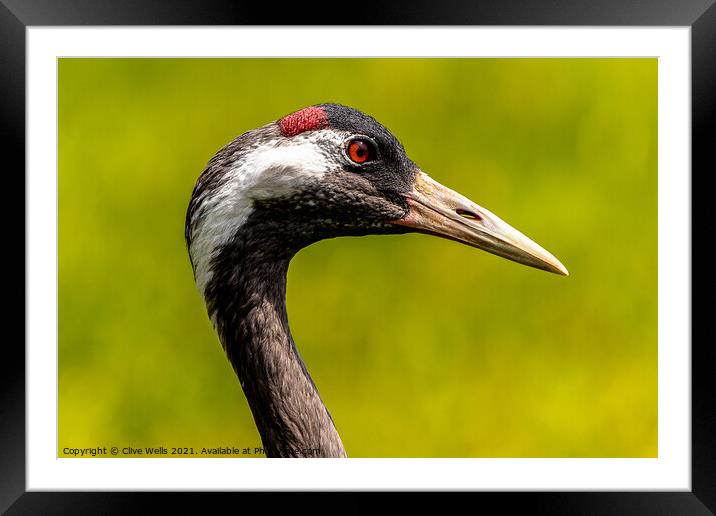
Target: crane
(323, 171)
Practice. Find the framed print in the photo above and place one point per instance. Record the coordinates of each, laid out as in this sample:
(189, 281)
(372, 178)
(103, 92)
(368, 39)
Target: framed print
(173, 168)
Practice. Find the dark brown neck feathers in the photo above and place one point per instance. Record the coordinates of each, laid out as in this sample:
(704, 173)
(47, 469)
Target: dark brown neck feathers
(247, 300)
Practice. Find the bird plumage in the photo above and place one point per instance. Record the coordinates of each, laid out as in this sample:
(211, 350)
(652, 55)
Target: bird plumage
(321, 172)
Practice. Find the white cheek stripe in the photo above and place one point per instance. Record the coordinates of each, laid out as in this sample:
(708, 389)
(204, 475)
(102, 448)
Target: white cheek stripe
(267, 173)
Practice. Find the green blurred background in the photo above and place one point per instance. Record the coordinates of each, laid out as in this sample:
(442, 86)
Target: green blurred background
(419, 346)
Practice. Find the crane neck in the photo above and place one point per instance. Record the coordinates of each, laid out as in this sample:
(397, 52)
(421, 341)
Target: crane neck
(246, 300)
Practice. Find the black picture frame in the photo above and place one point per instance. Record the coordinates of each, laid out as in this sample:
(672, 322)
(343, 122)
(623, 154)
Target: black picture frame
(17, 15)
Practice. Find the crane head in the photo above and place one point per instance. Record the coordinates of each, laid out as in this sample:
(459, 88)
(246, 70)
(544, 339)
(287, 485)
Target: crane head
(326, 171)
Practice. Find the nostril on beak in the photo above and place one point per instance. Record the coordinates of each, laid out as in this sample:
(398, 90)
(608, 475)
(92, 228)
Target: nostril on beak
(468, 214)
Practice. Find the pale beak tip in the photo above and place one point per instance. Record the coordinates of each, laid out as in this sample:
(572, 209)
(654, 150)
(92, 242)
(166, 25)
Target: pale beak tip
(561, 269)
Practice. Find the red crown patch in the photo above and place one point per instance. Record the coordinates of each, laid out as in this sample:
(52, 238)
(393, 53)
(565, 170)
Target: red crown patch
(307, 119)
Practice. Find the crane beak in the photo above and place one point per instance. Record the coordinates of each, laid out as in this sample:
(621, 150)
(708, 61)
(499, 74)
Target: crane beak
(439, 211)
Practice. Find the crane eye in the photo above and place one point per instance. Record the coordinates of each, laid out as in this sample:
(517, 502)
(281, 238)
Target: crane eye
(360, 150)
